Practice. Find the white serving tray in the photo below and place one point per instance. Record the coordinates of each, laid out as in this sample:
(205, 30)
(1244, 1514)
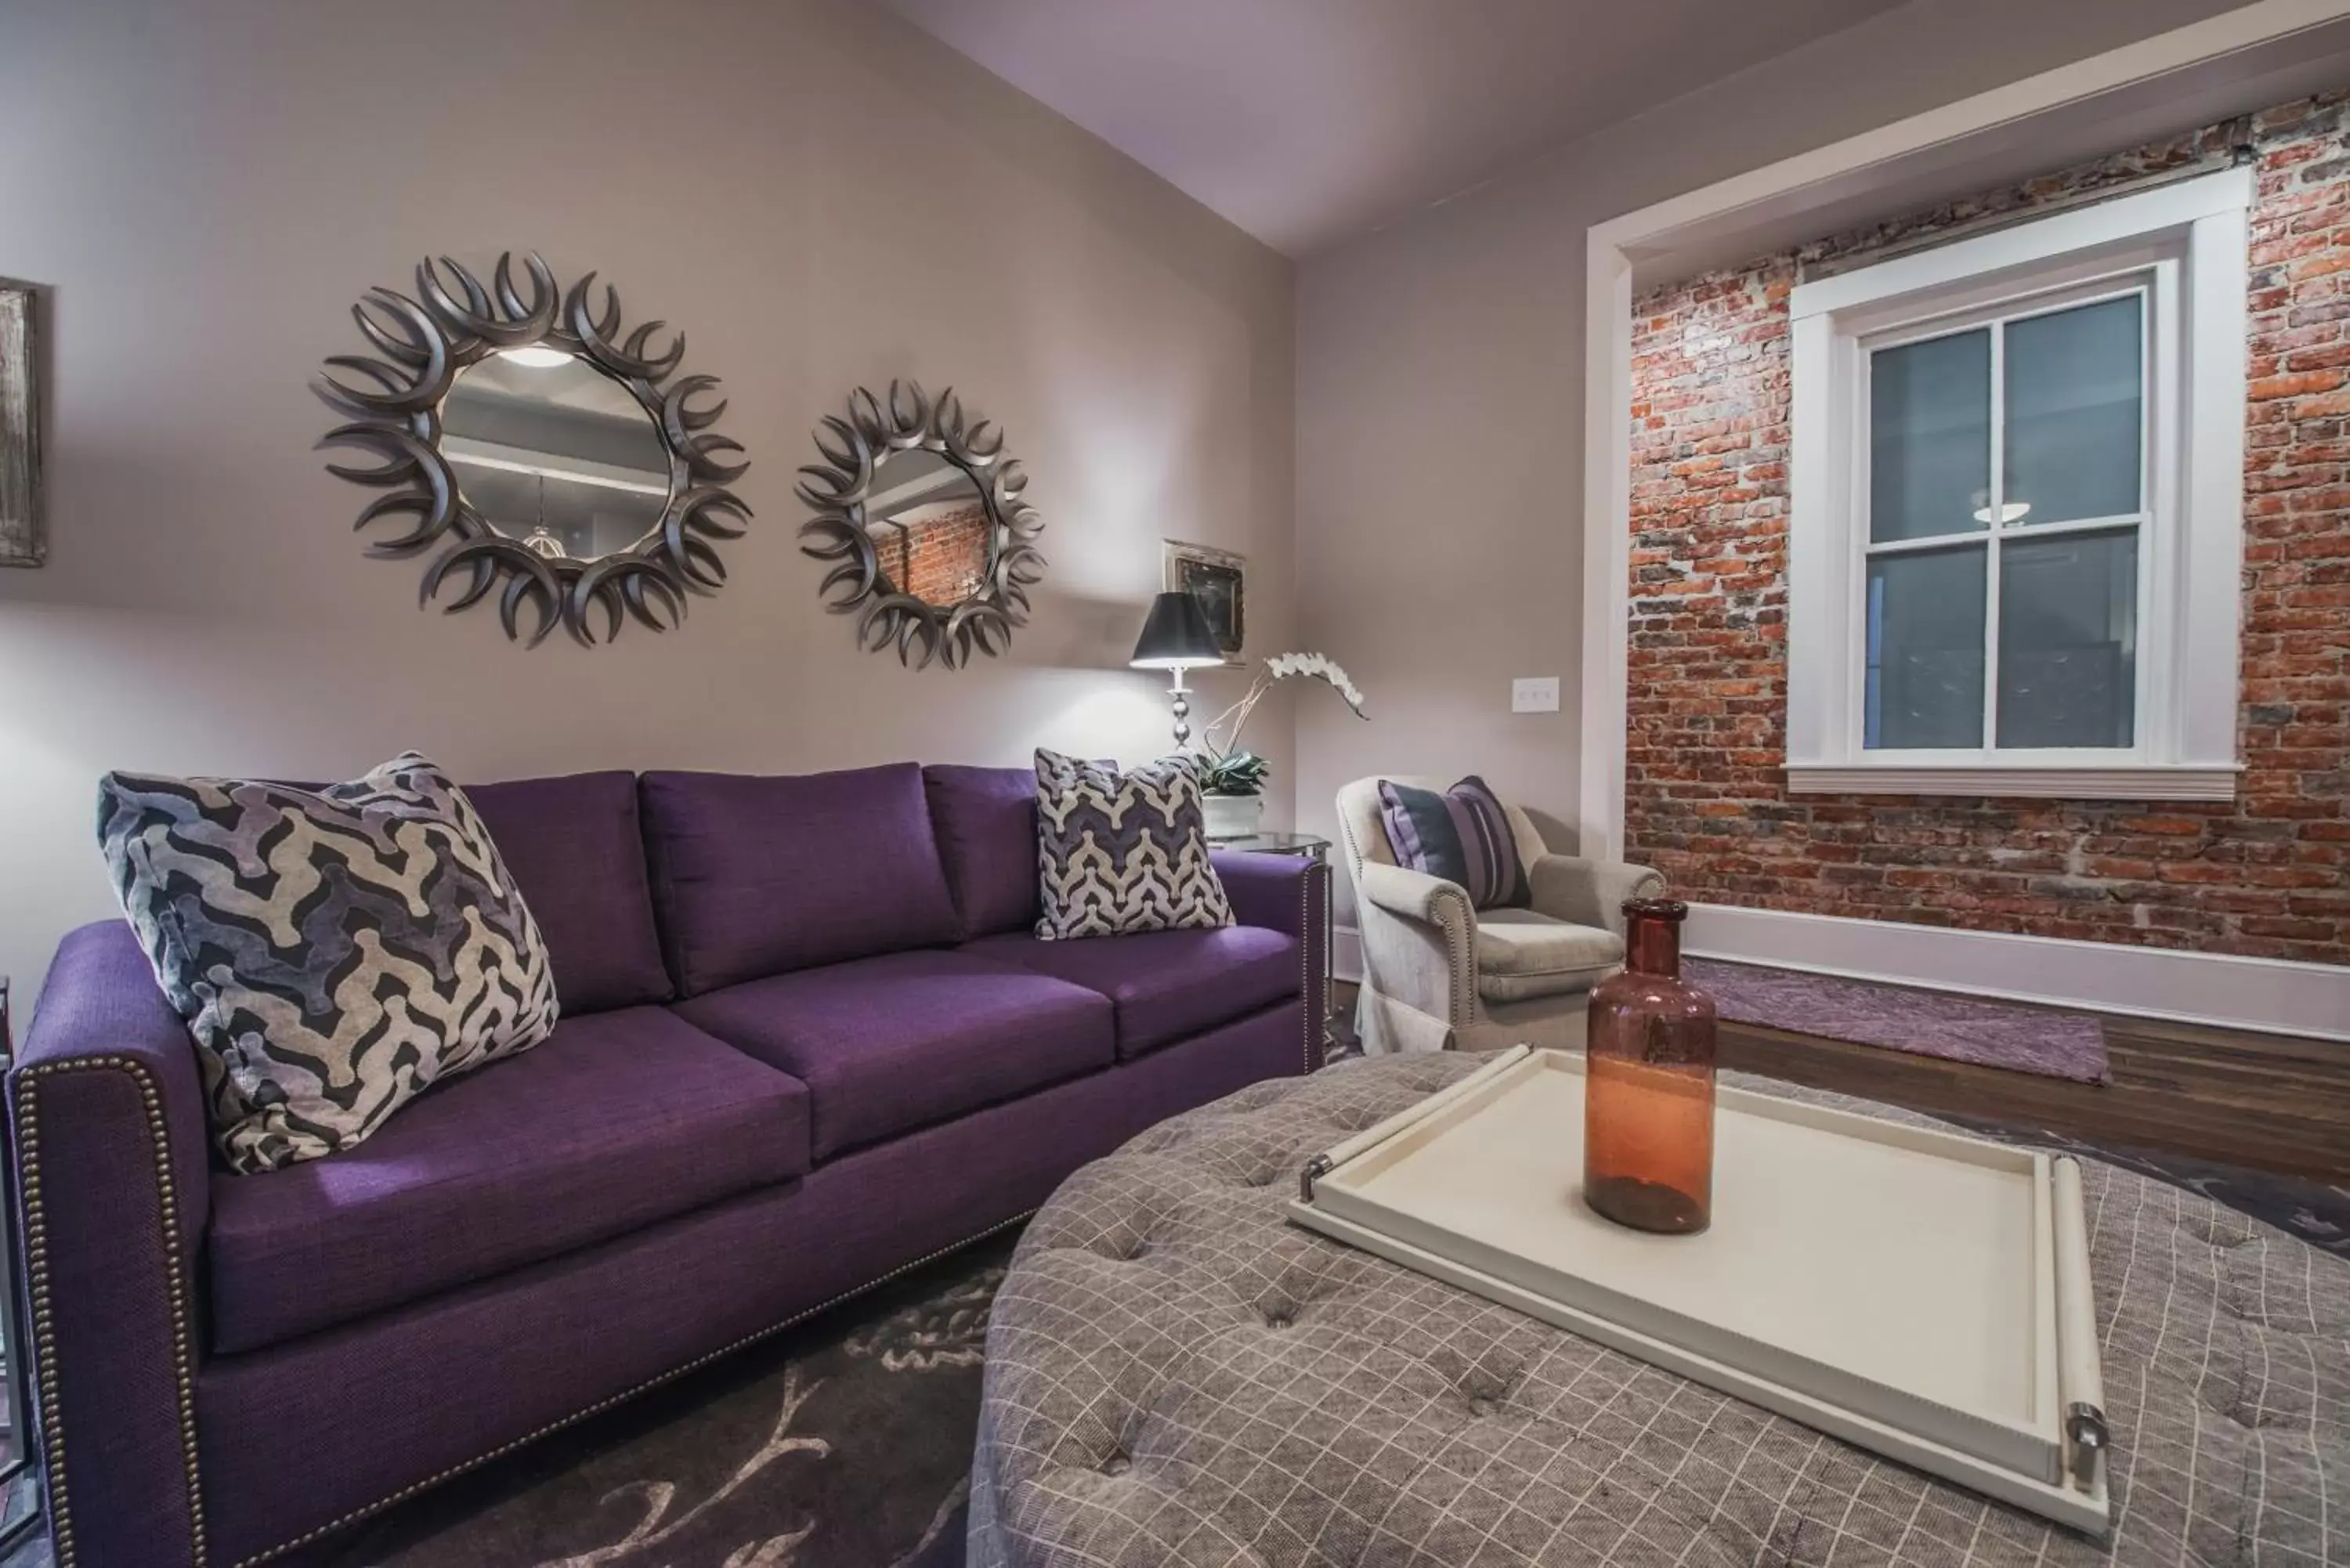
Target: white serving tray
(1916, 1292)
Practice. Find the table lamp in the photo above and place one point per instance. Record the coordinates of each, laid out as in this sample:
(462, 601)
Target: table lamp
(1176, 636)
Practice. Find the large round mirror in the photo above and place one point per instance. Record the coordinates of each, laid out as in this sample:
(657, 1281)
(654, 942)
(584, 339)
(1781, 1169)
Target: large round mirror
(555, 453)
(931, 527)
(552, 465)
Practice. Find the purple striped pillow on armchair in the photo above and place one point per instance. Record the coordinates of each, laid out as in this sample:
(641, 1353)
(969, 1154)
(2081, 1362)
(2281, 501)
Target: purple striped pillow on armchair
(1462, 835)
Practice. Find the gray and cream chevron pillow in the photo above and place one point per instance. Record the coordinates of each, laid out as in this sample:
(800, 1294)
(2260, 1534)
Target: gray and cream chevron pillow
(1123, 852)
(333, 951)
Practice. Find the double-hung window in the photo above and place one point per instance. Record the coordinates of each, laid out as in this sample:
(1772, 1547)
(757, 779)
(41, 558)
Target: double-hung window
(2017, 491)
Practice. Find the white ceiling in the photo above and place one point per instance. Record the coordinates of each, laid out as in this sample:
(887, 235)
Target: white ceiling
(1309, 121)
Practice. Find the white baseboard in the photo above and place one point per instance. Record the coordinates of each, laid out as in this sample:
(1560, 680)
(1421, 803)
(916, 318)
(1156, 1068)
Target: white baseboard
(2271, 995)
(1347, 955)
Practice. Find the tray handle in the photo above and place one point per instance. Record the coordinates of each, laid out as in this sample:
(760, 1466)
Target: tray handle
(1412, 1115)
(2080, 1380)
(1316, 1168)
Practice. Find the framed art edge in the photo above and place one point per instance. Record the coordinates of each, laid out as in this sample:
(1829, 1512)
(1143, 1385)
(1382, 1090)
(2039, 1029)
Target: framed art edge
(1172, 556)
(23, 536)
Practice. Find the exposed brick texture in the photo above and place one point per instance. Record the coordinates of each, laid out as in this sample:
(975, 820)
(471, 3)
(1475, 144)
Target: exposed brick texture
(1706, 799)
(940, 552)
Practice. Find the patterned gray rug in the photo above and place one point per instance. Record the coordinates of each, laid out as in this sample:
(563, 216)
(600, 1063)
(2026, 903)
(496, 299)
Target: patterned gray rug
(847, 1443)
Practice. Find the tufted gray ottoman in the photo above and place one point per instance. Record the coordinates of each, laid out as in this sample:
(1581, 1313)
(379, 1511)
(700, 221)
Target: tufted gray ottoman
(1177, 1375)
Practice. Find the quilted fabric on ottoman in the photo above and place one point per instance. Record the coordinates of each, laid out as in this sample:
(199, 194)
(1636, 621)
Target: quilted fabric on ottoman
(1177, 1375)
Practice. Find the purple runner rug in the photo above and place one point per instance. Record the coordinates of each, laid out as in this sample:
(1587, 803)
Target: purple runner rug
(1972, 1029)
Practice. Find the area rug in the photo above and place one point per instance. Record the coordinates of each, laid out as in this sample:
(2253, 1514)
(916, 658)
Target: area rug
(1971, 1029)
(847, 1444)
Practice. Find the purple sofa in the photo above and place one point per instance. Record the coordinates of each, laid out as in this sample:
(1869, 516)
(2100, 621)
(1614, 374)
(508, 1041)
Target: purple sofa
(806, 1043)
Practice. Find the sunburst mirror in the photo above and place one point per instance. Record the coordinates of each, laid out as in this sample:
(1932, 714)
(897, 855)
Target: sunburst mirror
(538, 456)
(919, 508)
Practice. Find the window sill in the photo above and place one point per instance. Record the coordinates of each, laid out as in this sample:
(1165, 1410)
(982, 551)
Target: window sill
(2199, 781)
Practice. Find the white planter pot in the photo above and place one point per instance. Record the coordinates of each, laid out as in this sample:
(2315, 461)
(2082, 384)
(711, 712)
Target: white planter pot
(1235, 816)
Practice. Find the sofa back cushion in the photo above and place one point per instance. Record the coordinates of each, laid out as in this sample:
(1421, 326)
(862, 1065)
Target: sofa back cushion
(575, 850)
(985, 819)
(754, 876)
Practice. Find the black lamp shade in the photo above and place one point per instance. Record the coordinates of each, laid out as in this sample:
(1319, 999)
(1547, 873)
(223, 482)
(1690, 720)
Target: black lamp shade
(1176, 636)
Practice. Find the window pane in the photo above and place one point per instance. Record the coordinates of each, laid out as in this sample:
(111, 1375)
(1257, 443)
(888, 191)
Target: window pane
(1929, 437)
(2068, 640)
(2074, 413)
(1925, 649)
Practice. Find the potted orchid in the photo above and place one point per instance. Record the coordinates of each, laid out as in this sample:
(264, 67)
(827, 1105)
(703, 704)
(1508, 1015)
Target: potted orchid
(1233, 776)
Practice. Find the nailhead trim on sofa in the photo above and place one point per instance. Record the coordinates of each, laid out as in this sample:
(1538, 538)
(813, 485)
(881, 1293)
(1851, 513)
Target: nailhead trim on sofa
(37, 1283)
(1307, 1003)
(53, 1426)
(623, 1396)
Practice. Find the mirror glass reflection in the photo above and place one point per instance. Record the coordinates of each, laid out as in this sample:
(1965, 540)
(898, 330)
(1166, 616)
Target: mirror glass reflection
(931, 527)
(554, 452)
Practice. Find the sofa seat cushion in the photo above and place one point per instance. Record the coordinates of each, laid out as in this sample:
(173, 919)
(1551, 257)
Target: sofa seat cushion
(1166, 985)
(619, 1120)
(904, 1041)
(1522, 954)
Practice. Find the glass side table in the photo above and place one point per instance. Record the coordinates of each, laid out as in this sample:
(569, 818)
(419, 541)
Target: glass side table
(1307, 846)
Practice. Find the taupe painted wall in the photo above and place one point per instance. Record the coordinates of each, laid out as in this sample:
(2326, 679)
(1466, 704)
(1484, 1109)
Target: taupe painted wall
(818, 194)
(1440, 376)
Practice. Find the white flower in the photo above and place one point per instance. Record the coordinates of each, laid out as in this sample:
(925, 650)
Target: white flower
(1277, 669)
(1321, 667)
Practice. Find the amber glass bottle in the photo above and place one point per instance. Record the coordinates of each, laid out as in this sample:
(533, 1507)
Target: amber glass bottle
(1648, 1117)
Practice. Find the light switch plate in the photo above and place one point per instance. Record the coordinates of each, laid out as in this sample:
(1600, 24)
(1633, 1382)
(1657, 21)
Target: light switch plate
(1535, 694)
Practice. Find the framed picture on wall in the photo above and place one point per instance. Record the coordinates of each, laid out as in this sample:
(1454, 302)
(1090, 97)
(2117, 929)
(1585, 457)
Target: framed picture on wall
(22, 542)
(1218, 580)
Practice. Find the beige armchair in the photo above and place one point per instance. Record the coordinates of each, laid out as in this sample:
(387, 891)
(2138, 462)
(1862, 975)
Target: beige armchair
(1439, 975)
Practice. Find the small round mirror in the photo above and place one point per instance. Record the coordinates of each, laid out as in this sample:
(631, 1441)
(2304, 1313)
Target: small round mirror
(932, 529)
(919, 509)
(556, 454)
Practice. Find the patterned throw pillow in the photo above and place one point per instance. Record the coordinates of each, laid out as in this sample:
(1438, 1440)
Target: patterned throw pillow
(1123, 852)
(333, 951)
(1462, 835)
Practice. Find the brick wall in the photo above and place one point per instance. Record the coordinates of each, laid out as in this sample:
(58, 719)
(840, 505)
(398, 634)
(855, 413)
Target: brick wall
(940, 554)
(1706, 799)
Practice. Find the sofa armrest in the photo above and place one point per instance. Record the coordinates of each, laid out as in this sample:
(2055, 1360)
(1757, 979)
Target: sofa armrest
(109, 1143)
(1420, 941)
(1277, 891)
(1289, 894)
(1590, 892)
(1416, 895)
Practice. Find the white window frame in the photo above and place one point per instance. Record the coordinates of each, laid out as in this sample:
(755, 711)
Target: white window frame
(2184, 244)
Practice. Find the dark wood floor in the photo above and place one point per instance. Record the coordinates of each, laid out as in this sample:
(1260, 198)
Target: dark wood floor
(2263, 1101)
